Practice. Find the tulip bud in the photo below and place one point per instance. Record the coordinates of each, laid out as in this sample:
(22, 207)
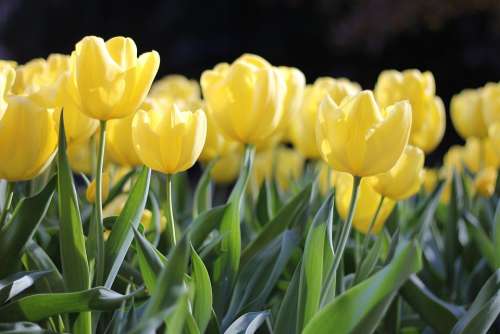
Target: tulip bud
(494, 135)
(90, 193)
(431, 178)
(183, 92)
(359, 138)
(303, 126)
(432, 130)
(404, 179)
(28, 139)
(120, 147)
(166, 139)
(467, 114)
(112, 81)
(246, 98)
(368, 201)
(289, 167)
(227, 167)
(295, 82)
(485, 182)
(491, 103)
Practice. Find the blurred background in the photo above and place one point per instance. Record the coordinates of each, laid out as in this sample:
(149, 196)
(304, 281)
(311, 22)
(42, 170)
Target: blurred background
(458, 40)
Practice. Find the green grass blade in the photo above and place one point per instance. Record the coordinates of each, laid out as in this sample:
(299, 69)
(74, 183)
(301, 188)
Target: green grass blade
(202, 304)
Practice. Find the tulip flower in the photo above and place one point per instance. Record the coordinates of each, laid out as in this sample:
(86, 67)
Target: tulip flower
(227, 167)
(7, 77)
(28, 139)
(170, 141)
(112, 81)
(245, 98)
(80, 156)
(289, 166)
(489, 155)
(295, 82)
(494, 135)
(491, 103)
(183, 92)
(368, 203)
(91, 190)
(467, 115)
(303, 126)
(404, 179)
(262, 170)
(431, 178)
(485, 182)
(120, 146)
(359, 138)
(432, 130)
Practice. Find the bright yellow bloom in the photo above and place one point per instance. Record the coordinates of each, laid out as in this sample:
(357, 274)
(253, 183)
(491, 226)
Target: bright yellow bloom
(262, 170)
(112, 81)
(467, 114)
(303, 126)
(431, 178)
(491, 103)
(216, 144)
(295, 83)
(90, 192)
(471, 154)
(28, 139)
(485, 182)
(368, 201)
(453, 159)
(419, 89)
(184, 92)
(7, 78)
(289, 166)
(494, 135)
(80, 156)
(489, 154)
(246, 98)
(119, 144)
(360, 138)
(227, 167)
(404, 179)
(166, 139)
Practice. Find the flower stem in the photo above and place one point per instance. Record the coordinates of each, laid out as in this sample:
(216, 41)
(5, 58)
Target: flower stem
(170, 229)
(98, 203)
(370, 227)
(344, 236)
(9, 194)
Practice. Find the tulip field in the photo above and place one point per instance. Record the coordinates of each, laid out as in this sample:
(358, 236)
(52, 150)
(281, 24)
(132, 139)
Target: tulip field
(249, 201)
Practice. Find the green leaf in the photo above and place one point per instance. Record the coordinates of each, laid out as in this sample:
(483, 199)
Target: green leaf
(150, 263)
(483, 311)
(496, 229)
(39, 260)
(21, 227)
(203, 192)
(117, 188)
(202, 304)
(311, 276)
(29, 308)
(346, 312)
(440, 315)
(481, 240)
(248, 323)
(17, 283)
(369, 262)
(122, 234)
(451, 227)
(205, 223)
(289, 306)
(288, 214)
(22, 328)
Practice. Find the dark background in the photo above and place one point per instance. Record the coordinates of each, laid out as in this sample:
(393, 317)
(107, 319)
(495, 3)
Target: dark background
(458, 40)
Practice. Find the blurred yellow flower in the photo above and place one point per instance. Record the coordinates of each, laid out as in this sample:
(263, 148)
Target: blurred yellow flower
(7, 78)
(80, 156)
(111, 80)
(404, 179)
(494, 135)
(227, 167)
(289, 166)
(368, 201)
(119, 144)
(491, 103)
(182, 91)
(91, 191)
(467, 115)
(295, 83)
(433, 127)
(431, 178)
(262, 170)
(245, 98)
(167, 139)
(485, 181)
(360, 138)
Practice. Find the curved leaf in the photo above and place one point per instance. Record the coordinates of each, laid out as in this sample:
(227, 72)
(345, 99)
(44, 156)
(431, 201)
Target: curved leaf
(248, 323)
(202, 304)
(17, 283)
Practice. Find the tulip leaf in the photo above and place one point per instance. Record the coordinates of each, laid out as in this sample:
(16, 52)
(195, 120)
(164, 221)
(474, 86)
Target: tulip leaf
(347, 312)
(117, 188)
(496, 229)
(205, 223)
(289, 306)
(39, 260)
(22, 328)
(22, 225)
(150, 263)
(291, 212)
(122, 234)
(451, 226)
(483, 311)
(203, 192)
(481, 240)
(17, 283)
(248, 323)
(202, 304)
(28, 308)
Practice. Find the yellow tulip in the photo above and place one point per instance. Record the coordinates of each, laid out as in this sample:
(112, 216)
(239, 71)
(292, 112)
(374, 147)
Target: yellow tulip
(80, 157)
(262, 170)
(432, 130)
(494, 135)
(431, 178)
(467, 115)
(453, 160)
(184, 92)
(246, 98)
(112, 81)
(216, 144)
(9, 63)
(491, 103)
(28, 139)
(485, 182)
(295, 83)
(404, 179)
(119, 144)
(303, 126)
(489, 154)
(166, 139)
(359, 138)
(368, 201)
(91, 191)
(7, 78)
(471, 154)
(227, 167)
(289, 166)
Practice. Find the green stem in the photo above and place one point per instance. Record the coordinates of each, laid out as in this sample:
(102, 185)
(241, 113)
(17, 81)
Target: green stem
(370, 227)
(344, 236)
(9, 194)
(170, 229)
(98, 203)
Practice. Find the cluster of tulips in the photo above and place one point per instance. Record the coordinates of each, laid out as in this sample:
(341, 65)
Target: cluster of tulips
(282, 143)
